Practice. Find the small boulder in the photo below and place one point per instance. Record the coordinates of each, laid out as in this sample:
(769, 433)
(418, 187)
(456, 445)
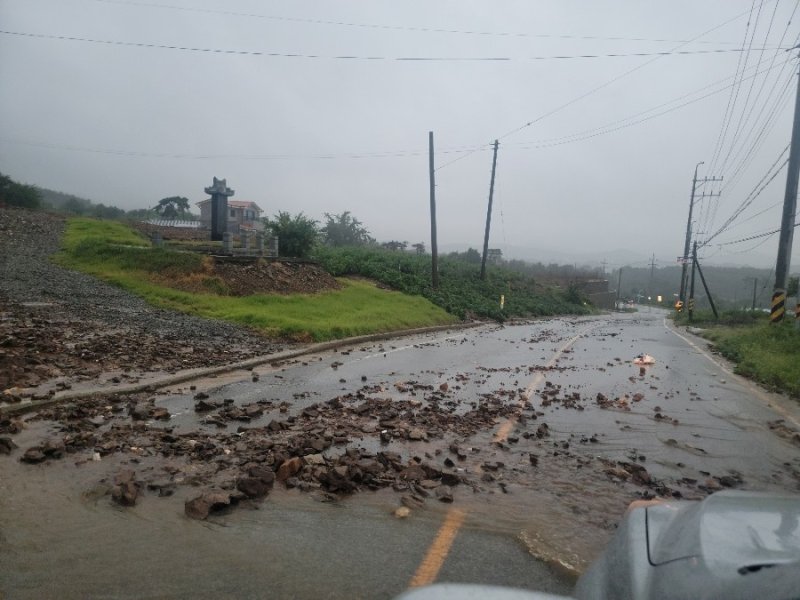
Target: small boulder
(205, 504)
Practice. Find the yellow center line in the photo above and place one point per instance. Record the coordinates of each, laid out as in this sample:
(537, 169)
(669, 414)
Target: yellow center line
(439, 549)
(430, 566)
(505, 428)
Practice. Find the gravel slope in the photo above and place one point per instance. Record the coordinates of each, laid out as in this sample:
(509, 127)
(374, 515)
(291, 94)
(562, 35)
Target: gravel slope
(81, 311)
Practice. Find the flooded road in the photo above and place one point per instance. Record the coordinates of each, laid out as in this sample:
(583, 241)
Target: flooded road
(549, 426)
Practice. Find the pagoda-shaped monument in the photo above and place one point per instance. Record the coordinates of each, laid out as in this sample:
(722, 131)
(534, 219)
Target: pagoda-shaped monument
(219, 193)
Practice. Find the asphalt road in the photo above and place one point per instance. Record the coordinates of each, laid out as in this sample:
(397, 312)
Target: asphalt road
(685, 420)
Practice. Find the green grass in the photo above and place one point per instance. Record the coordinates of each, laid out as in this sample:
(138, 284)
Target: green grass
(461, 291)
(769, 354)
(116, 254)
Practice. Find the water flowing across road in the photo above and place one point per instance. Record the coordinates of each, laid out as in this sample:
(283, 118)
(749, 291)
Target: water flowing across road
(585, 432)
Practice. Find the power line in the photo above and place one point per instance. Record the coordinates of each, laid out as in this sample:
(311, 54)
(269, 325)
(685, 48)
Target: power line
(271, 54)
(756, 236)
(709, 215)
(133, 153)
(742, 121)
(753, 195)
(462, 150)
(409, 28)
(750, 89)
(602, 86)
(731, 99)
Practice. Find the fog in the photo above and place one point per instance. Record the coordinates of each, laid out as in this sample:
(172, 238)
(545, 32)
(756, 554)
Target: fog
(306, 106)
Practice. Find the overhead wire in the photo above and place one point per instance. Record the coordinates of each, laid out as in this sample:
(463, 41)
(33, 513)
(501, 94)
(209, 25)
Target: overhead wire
(355, 57)
(757, 190)
(728, 114)
(746, 58)
(746, 143)
(742, 121)
(409, 28)
(611, 127)
(756, 236)
(602, 86)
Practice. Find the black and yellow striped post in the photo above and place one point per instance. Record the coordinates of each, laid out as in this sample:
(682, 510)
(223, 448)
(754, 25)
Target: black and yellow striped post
(778, 306)
(690, 306)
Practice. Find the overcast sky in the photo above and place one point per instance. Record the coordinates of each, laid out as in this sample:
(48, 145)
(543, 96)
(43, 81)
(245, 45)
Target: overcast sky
(589, 168)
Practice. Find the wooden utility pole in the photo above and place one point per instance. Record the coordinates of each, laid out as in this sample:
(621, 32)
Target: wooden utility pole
(489, 214)
(434, 246)
(787, 220)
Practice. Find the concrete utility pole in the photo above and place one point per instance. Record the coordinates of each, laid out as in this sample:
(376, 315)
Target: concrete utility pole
(489, 214)
(652, 269)
(682, 295)
(685, 258)
(787, 221)
(690, 304)
(755, 285)
(434, 246)
(619, 286)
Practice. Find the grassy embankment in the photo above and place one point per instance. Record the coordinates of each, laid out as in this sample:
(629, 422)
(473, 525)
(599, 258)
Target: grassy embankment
(461, 291)
(769, 354)
(115, 253)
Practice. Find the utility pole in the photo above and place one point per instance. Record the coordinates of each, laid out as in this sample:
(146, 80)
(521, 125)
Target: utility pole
(652, 269)
(687, 242)
(619, 286)
(755, 284)
(682, 295)
(489, 214)
(705, 285)
(787, 221)
(691, 286)
(434, 247)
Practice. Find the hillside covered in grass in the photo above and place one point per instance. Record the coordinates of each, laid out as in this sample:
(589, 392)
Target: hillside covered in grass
(113, 252)
(461, 291)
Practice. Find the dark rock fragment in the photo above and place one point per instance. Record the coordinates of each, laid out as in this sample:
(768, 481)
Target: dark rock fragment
(126, 488)
(7, 445)
(207, 503)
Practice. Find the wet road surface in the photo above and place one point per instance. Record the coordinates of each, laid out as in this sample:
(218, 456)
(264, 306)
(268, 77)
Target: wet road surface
(584, 432)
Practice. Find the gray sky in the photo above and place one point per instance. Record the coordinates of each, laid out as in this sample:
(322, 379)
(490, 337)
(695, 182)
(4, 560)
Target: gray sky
(128, 125)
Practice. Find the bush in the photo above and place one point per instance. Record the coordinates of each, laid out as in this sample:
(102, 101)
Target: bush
(461, 290)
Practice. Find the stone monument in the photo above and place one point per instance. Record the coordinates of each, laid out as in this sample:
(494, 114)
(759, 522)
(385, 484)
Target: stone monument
(219, 193)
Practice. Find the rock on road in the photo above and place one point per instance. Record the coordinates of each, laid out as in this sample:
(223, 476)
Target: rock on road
(548, 427)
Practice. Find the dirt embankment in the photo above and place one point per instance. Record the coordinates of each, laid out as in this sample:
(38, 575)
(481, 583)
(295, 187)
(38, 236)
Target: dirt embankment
(261, 276)
(56, 323)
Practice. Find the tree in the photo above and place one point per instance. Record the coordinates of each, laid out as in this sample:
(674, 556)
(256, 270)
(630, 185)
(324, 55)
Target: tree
(172, 207)
(395, 245)
(419, 248)
(18, 194)
(345, 230)
(470, 256)
(296, 235)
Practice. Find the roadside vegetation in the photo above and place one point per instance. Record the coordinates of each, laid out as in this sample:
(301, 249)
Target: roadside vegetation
(114, 253)
(461, 290)
(767, 353)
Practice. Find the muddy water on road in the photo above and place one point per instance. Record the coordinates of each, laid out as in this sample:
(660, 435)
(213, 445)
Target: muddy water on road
(684, 420)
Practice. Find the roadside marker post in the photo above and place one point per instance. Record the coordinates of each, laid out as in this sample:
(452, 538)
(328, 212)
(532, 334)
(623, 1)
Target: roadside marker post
(778, 306)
